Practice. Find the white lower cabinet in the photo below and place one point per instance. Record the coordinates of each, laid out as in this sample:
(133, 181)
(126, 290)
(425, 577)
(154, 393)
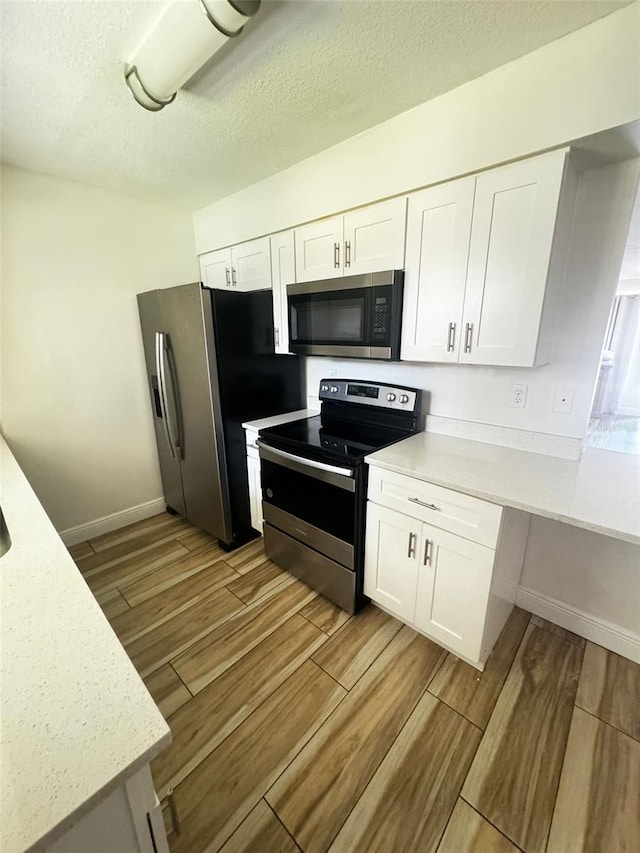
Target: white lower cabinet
(453, 590)
(457, 591)
(255, 492)
(391, 561)
(253, 475)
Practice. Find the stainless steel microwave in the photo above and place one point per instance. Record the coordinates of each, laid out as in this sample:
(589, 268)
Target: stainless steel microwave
(358, 316)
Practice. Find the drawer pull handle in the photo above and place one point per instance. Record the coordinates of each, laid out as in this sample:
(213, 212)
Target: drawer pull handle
(427, 552)
(411, 550)
(422, 503)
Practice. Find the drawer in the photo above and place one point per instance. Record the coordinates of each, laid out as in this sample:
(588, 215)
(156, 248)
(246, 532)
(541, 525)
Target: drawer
(462, 514)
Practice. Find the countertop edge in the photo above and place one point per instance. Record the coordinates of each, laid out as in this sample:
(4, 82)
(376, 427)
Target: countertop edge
(501, 500)
(73, 818)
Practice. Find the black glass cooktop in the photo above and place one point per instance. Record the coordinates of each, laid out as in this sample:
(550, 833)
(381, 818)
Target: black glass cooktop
(333, 440)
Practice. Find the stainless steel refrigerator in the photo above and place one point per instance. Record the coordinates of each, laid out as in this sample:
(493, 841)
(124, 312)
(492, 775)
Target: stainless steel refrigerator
(211, 366)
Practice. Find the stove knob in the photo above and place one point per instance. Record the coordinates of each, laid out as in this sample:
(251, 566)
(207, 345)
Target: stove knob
(404, 398)
(324, 387)
(391, 397)
(334, 389)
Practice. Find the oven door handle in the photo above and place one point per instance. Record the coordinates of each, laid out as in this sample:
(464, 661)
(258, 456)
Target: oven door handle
(333, 474)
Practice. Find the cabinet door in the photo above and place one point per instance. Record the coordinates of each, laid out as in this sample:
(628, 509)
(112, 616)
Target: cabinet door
(255, 492)
(391, 560)
(319, 250)
(514, 217)
(453, 590)
(251, 265)
(283, 272)
(215, 269)
(374, 237)
(438, 235)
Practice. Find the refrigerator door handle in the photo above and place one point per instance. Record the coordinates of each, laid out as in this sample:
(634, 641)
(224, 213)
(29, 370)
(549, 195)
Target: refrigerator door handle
(175, 396)
(162, 389)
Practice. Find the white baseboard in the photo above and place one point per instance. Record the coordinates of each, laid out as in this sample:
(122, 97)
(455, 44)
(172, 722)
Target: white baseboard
(111, 522)
(609, 636)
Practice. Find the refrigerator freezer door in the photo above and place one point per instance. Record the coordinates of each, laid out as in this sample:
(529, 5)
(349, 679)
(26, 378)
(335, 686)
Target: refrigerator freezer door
(194, 407)
(151, 324)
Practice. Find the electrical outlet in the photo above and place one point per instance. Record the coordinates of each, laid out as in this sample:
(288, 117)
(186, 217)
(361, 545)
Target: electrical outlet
(519, 396)
(333, 371)
(563, 399)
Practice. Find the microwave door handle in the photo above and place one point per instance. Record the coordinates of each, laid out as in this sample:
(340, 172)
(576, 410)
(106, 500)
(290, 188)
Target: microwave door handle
(162, 390)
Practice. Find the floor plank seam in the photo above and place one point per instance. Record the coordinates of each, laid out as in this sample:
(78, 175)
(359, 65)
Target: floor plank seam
(313, 734)
(606, 723)
(559, 636)
(270, 807)
(484, 817)
(319, 665)
(437, 670)
(264, 793)
(328, 636)
(186, 686)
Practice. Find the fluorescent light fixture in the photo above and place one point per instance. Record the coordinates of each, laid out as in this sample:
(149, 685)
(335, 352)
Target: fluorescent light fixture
(186, 34)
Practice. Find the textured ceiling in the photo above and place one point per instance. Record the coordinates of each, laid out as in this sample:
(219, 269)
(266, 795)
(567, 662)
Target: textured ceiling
(304, 75)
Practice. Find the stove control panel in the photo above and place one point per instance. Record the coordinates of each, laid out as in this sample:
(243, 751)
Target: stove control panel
(370, 394)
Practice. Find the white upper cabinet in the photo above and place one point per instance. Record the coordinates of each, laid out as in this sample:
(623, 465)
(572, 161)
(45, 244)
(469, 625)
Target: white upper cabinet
(438, 235)
(485, 261)
(514, 220)
(319, 250)
(283, 272)
(367, 240)
(246, 266)
(374, 237)
(215, 269)
(251, 265)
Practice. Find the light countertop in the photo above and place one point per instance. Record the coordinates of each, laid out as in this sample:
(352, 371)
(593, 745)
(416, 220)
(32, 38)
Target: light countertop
(76, 717)
(600, 492)
(275, 420)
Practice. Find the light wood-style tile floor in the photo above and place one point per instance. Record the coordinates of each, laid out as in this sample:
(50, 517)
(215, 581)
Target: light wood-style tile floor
(297, 727)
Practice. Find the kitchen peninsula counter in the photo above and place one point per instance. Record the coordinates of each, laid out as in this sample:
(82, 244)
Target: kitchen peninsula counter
(77, 720)
(600, 492)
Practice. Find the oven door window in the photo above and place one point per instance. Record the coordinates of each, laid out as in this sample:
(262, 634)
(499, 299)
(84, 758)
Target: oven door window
(325, 506)
(333, 317)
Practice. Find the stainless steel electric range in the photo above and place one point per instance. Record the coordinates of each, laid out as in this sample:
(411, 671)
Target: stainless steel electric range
(314, 482)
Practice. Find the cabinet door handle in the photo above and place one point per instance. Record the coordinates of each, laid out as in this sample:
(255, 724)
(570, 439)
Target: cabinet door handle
(467, 337)
(336, 255)
(173, 809)
(233, 277)
(427, 552)
(422, 503)
(451, 341)
(347, 253)
(411, 550)
(277, 333)
(227, 276)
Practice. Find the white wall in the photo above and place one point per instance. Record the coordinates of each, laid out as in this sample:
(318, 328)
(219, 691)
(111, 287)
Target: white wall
(586, 582)
(75, 406)
(578, 85)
